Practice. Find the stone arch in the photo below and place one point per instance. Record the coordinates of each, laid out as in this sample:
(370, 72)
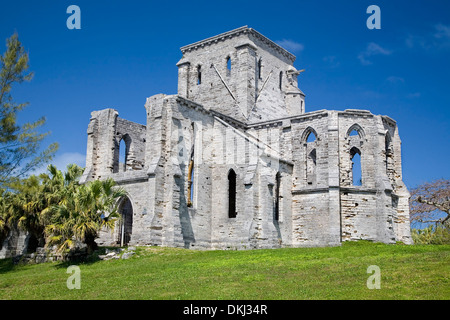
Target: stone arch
(120, 152)
(356, 127)
(310, 143)
(125, 223)
(306, 134)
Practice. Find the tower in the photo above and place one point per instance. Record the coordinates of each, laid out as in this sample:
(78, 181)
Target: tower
(241, 74)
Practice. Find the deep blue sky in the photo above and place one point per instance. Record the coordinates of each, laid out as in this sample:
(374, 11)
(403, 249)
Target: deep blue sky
(126, 51)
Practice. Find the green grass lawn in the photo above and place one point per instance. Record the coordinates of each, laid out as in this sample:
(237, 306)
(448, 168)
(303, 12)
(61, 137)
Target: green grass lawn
(407, 272)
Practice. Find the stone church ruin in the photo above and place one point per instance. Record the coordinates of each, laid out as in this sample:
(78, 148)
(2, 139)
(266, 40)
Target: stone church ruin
(233, 161)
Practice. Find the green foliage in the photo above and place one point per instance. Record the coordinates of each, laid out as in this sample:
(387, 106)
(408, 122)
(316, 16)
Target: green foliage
(28, 202)
(83, 213)
(19, 145)
(433, 234)
(56, 210)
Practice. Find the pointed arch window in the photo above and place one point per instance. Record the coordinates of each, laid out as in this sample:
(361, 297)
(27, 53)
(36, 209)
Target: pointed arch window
(281, 80)
(355, 140)
(356, 131)
(311, 167)
(199, 75)
(310, 142)
(121, 153)
(228, 66)
(231, 194)
(311, 137)
(125, 227)
(190, 190)
(355, 157)
(260, 68)
(276, 215)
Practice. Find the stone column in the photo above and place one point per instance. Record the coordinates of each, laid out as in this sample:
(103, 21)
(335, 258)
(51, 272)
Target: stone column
(183, 78)
(101, 145)
(384, 210)
(245, 77)
(333, 180)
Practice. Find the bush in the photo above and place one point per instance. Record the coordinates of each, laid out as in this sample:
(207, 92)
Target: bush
(439, 234)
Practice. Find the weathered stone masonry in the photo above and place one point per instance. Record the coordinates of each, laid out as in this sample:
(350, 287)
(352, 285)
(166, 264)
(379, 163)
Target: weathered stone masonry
(233, 160)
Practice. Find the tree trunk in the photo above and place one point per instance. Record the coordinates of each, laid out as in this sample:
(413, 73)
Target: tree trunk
(90, 243)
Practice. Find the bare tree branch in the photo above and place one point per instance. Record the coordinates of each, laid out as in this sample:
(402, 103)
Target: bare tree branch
(430, 202)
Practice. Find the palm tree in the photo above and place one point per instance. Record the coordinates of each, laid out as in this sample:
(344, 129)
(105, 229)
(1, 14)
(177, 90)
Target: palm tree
(83, 213)
(27, 205)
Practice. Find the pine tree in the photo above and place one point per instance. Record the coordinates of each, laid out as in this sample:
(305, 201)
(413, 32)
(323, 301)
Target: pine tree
(19, 144)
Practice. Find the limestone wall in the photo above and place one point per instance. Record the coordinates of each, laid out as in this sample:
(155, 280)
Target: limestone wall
(232, 160)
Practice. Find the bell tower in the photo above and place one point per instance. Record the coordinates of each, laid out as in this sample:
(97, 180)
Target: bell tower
(241, 74)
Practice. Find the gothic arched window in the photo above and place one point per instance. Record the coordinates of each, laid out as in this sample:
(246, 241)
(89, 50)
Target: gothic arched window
(281, 80)
(259, 68)
(276, 215)
(355, 157)
(231, 194)
(199, 74)
(228, 66)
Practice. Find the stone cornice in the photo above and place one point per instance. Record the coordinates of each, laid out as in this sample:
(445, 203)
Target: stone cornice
(272, 44)
(236, 32)
(389, 121)
(283, 122)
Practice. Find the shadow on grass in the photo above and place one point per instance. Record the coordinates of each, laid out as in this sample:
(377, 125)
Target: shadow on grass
(9, 264)
(6, 265)
(79, 261)
(85, 260)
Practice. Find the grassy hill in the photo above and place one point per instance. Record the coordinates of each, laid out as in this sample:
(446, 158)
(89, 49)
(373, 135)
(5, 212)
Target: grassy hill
(407, 272)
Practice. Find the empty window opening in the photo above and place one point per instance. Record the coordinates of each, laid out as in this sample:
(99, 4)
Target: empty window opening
(123, 155)
(228, 66)
(355, 157)
(125, 222)
(281, 80)
(277, 197)
(190, 192)
(259, 68)
(311, 167)
(199, 75)
(311, 137)
(231, 194)
(356, 131)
